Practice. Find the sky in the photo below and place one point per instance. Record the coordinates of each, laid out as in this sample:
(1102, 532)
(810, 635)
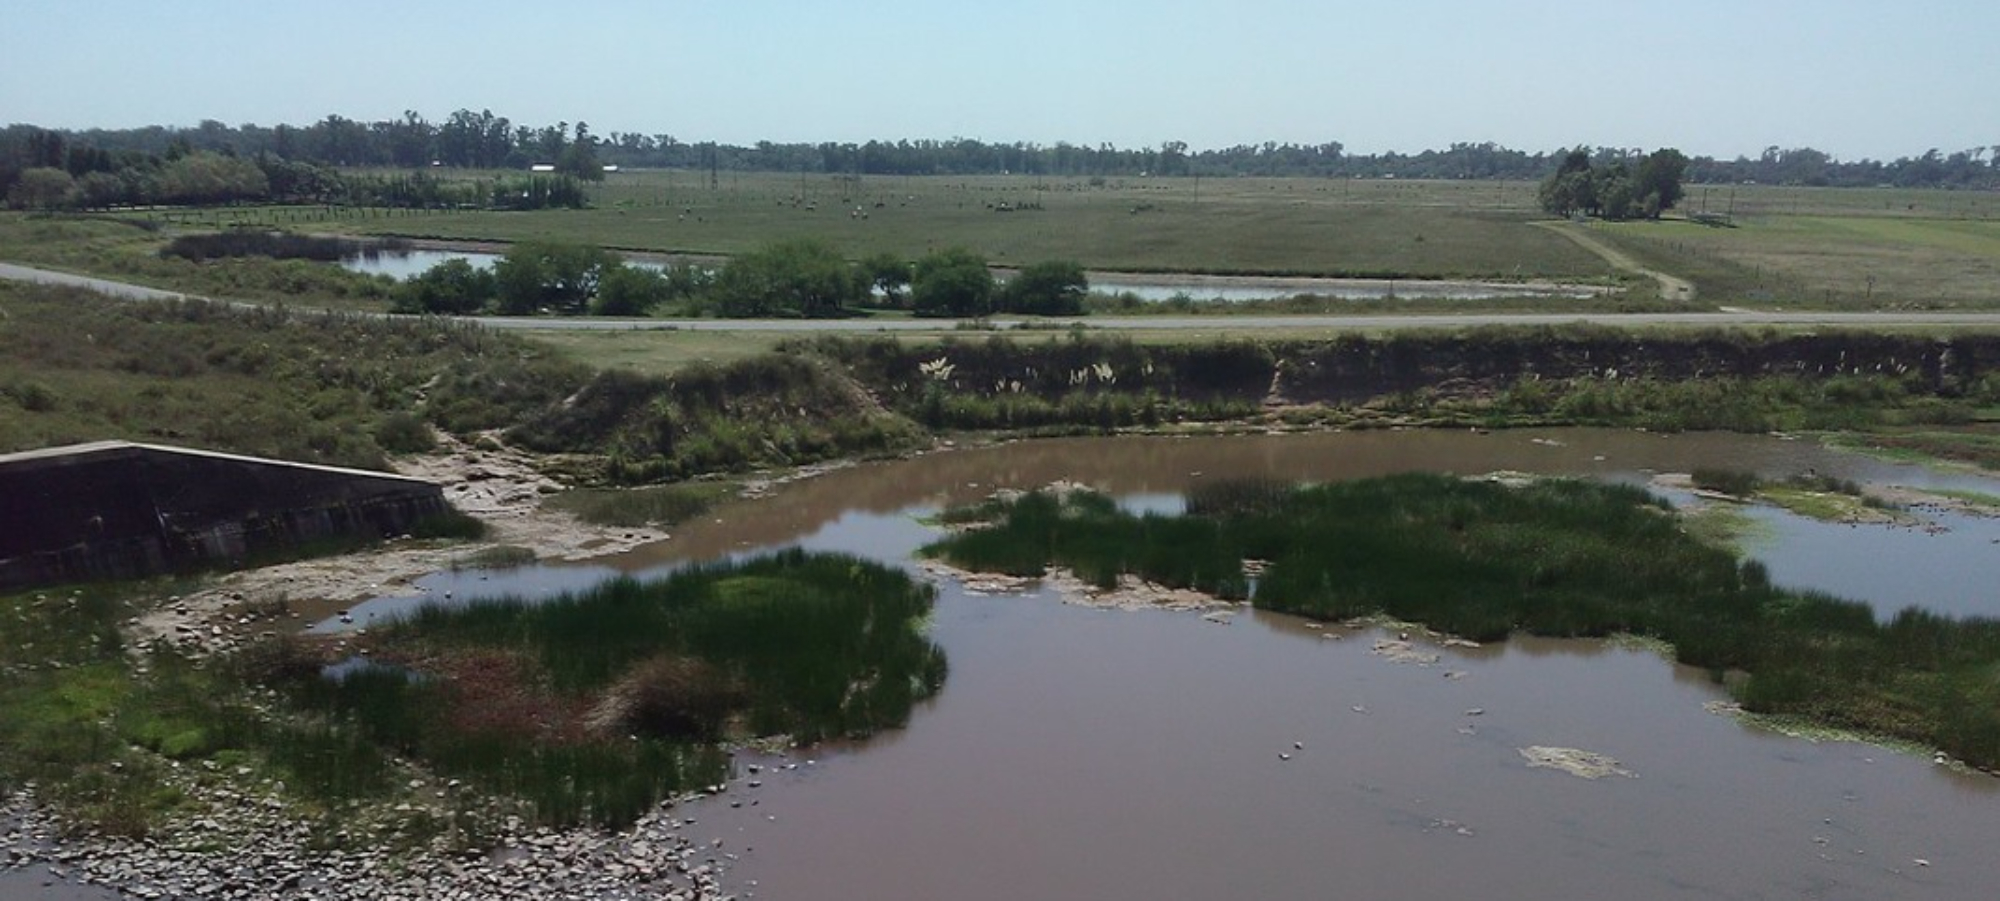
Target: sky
(1722, 78)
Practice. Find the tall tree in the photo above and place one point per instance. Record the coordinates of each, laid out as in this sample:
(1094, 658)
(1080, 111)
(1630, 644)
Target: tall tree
(1659, 181)
(952, 282)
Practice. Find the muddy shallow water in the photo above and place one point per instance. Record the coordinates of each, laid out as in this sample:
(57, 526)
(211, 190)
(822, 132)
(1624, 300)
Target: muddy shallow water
(1077, 752)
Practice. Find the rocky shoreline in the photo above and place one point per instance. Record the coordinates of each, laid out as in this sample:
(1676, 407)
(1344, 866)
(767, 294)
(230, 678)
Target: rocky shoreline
(253, 848)
(238, 841)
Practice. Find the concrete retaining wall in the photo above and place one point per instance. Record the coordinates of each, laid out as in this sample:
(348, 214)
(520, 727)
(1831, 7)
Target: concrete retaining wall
(118, 510)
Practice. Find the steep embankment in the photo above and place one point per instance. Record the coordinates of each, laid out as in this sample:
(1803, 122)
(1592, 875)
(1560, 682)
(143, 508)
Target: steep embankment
(768, 411)
(1721, 379)
(829, 398)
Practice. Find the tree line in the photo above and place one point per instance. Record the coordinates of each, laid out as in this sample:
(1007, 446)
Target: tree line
(47, 170)
(482, 140)
(789, 279)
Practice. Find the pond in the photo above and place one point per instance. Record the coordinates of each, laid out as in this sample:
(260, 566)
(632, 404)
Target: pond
(1150, 289)
(1079, 752)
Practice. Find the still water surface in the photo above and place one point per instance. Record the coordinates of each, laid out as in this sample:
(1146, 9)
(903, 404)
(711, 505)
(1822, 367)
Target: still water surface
(1085, 753)
(415, 262)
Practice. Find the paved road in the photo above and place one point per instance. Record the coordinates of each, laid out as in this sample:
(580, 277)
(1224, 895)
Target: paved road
(1725, 317)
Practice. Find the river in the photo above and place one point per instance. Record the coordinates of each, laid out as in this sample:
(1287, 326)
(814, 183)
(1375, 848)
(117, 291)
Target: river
(1078, 752)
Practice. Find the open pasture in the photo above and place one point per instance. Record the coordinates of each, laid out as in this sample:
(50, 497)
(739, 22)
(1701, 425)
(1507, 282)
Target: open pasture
(1827, 260)
(1240, 226)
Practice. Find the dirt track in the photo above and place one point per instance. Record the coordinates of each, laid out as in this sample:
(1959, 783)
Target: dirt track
(1672, 287)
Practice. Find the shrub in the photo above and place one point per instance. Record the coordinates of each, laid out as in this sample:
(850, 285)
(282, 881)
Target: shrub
(403, 432)
(1733, 482)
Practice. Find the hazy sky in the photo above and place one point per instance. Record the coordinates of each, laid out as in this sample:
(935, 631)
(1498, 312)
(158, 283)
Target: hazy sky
(1716, 77)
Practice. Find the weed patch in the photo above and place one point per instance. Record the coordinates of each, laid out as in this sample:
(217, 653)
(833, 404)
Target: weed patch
(1563, 558)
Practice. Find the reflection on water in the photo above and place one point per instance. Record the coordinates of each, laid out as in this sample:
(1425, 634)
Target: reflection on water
(1087, 753)
(415, 262)
(1955, 571)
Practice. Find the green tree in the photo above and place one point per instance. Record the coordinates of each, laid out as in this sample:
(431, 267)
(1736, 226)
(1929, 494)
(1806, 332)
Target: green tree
(791, 278)
(629, 290)
(1615, 191)
(1617, 194)
(579, 158)
(952, 282)
(206, 177)
(1659, 181)
(1570, 189)
(42, 188)
(451, 288)
(1050, 288)
(550, 275)
(888, 275)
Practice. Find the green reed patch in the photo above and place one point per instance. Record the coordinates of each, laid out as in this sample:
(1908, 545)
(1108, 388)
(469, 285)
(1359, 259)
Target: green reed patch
(1552, 557)
(595, 706)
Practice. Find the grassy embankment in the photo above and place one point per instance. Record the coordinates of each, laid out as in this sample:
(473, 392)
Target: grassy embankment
(1562, 558)
(79, 367)
(315, 387)
(1494, 377)
(127, 248)
(589, 708)
(1898, 388)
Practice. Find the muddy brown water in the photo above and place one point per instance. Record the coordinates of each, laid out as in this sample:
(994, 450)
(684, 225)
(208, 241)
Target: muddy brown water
(1077, 752)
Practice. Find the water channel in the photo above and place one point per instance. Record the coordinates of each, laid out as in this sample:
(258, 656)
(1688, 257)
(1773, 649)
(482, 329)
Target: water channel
(1078, 752)
(1151, 289)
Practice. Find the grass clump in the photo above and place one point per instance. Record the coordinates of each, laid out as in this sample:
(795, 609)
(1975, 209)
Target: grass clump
(661, 505)
(593, 707)
(1732, 482)
(1554, 557)
(590, 708)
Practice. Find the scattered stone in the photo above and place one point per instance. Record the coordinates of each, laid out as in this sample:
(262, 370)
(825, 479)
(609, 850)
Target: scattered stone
(1582, 764)
(1399, 650)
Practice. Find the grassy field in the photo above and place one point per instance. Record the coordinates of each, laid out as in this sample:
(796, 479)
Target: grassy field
(1842, 248)
(1289, 226)
(1827, 260)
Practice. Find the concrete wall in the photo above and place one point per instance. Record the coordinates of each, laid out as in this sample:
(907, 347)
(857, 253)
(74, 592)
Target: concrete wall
(117, 510)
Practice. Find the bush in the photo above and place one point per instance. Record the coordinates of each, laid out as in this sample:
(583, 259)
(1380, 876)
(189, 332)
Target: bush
(1052, 288)
(790, 278)
(952, 282)
(1733, 482)
(453, 288)
(403, 432)
(628, 290)
(669, 696)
